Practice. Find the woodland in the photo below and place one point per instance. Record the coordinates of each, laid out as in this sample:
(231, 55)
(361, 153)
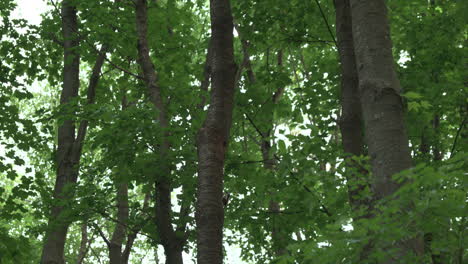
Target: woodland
(234, 131)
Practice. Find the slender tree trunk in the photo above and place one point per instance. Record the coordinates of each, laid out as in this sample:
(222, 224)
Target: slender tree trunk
(118, 236)
(213, 137)
(278, 236)
(83, 244)
(381, 104)
(172, 243)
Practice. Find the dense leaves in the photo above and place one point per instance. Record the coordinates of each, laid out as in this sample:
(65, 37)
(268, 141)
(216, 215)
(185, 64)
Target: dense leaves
(287, 96)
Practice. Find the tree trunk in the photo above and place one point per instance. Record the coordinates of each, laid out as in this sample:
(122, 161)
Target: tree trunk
(118, 236)
(69, 147)
(213, 137)
(53, 249)
(172, 243)
(350, 122)
(278, 236)
(83, 244)
(381, 104)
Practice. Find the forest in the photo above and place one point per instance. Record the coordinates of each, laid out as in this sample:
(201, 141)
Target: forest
(234, 131)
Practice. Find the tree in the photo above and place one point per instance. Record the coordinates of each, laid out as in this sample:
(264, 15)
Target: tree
(213, 136)
(156, 88)
(382, 106)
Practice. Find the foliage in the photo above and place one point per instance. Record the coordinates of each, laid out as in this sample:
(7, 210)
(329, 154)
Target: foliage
(309, 175)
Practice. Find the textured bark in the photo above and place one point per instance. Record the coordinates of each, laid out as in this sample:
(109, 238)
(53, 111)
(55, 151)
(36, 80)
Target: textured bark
(213, 137)
(172, 243)
(53, 249)
(350, 122)
(381, 104)
(69, 147)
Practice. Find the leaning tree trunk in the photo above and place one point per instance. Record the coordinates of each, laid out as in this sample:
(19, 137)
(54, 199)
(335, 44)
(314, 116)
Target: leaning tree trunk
(172, 242)
(381, 103)
(213, 137)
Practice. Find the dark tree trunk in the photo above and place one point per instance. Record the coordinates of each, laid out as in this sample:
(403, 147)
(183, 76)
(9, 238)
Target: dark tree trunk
(69, 147)
(381, 104)
(172, 243)
(53, 249)
(213, 137)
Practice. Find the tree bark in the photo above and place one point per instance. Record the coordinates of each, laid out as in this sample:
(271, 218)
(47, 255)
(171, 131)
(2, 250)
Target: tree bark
(69, 147)
(83, 244)
(213, 137)
(172, 243)
(118, 236)
(381, 105)
(53, 249)
(350, 123)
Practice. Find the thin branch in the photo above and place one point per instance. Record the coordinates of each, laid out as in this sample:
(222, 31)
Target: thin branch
(458, 134)
(96, 50)
(253, 124)
(102, 234)
(326, 22)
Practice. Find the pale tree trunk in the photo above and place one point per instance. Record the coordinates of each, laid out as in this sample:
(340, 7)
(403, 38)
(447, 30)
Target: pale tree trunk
(213, 137)
(172, 242)
(83, 244)
(69, 146)
(382, 106)
(119, 234)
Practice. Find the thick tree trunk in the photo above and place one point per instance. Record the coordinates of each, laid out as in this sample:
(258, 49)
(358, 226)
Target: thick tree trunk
(53, 249)
(381, 104)
(350, 123)
(213, 137)
(172, 243)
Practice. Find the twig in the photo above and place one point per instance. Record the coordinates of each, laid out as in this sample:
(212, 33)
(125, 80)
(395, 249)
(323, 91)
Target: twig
(456, 137)
(326, 22)
(102, 234)
(253, 124)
